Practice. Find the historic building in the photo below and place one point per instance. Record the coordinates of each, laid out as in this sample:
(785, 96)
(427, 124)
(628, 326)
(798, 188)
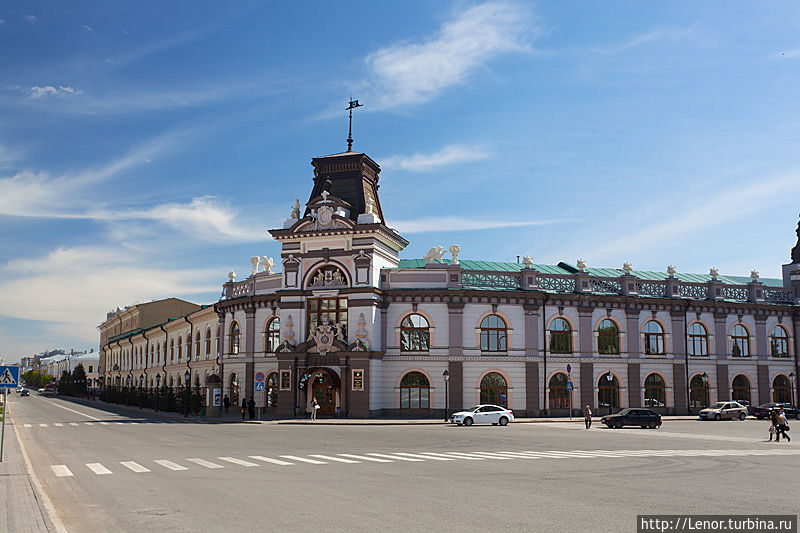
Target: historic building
(346, 320)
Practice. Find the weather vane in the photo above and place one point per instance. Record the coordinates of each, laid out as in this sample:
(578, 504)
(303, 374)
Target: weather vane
(353, 104)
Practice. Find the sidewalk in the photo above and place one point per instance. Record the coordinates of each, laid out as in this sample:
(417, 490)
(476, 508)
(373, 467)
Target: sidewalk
(234, 417)
(21, 506)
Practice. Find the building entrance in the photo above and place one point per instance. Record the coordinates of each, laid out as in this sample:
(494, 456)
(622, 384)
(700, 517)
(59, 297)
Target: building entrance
(324, 387)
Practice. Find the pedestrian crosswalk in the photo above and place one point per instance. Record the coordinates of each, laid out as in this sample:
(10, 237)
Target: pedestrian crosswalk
(396, 457)
(104, 423)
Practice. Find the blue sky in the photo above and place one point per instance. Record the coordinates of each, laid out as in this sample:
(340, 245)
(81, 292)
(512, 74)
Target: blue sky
(145, 148)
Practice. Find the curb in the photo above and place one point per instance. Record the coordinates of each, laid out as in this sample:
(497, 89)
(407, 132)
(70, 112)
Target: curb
(157, 414)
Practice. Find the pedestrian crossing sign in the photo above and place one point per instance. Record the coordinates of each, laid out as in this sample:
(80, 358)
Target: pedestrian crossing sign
(259, 386)
(9, 377)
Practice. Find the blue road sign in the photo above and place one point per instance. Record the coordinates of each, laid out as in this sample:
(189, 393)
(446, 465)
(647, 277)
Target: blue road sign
(9, 377)
(569, 369)
(259, 386)
(569, 385)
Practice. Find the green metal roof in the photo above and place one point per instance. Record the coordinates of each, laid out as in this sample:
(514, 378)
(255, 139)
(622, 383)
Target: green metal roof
(566, 269)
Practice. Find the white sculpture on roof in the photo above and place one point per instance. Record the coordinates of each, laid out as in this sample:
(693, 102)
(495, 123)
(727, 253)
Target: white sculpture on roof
(231, 276)
(255, 262)
(434, 255)
(454, 251)
(714, 272)
(527, 261)
(627, 267)
(267, 263)
(295, 214)
(671, 270)
(754, 275)
(582, 265)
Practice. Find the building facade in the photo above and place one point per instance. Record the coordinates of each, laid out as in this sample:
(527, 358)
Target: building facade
(347, 321)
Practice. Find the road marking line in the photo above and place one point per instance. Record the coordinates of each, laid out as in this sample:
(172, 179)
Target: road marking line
(136, 467)
(303, 460)
(73, 423)
(73, 410)
(203, 462)
(237, 461)
(365, 458)
(451, 457)
(119, 423)
(169, 464)
(461, 455)
(89, 423)
(418, 456)
(98, 469)
(337, 459)
(57, 424)
(104, 423)
(61, 470)
(396, 457)
(28, 425)
(268, 460)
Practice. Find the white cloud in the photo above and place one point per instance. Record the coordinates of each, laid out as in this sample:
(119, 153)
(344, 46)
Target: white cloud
(31, 18)
(69, 290)
(449, 155)
(7, 155)
(415, 72)
(48, 90)
(86, 27)
(2, 21)
(663, 34)
(456, 223)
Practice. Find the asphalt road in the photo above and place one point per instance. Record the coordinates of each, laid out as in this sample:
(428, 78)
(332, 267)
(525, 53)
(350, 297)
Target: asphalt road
(110, 472)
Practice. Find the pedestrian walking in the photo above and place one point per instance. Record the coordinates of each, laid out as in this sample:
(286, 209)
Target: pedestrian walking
(772, 428)
(251, 408)
(782, 427)
(587, 417)
(314, 407)
(226, 402)
(244, 407)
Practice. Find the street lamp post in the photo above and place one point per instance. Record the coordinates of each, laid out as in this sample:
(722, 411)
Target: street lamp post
(705, 400)
(186, 381)
(609, 378)
(446, 376)
(791, 381)
(158, 388)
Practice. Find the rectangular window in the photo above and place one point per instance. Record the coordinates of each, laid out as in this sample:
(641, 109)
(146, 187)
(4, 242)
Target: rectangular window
(286, 380)
(90, 369)
(333, 311)
(358, 380)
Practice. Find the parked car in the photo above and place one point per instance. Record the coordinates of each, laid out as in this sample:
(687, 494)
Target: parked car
(41, 391)
(763, 411)
(24, 392)
(483, 414)
(49, 392)
(644, 418)
(724, 410)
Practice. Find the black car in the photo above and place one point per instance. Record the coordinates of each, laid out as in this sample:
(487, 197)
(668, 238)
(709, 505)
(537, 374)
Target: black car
(633, 417)
(24, 392)
(762, 411)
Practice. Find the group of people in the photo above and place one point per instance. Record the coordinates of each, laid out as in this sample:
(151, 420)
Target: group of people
(248, 406)
(779, 425)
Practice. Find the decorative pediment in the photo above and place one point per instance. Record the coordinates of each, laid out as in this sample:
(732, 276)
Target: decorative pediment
(285, 347)
(329, 276)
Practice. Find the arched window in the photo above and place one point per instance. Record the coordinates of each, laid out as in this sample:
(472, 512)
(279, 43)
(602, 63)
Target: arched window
(559, 395)
(414, 391)
(608, 392)
(172, 351)
(208, 342)
(272, 335)
(197, 345)
(218, 348)
(740, 341)
(741, 390)
(158, 353)
(698, 340)
(188, 346)
(272, 390)
(653, 338)
(152, 355)
(781, 390)
(779, 343)
(494, 389)
(560, 336)
(698, 392)
(415, 334)
(234, 390)
(180, 348)
(607, 337)
(234, 339)
(493, 334)
(655, 391)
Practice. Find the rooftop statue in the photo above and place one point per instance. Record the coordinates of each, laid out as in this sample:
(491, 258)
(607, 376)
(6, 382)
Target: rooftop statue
(796, 249)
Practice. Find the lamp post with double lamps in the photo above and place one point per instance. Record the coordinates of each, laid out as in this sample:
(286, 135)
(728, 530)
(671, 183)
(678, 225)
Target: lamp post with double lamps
(609, 378)
(446, 376)
(187, 377)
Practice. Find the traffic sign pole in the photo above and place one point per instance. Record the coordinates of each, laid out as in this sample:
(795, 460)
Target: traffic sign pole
(5, 415)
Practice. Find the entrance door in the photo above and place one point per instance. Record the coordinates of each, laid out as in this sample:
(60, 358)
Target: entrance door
(325, 393)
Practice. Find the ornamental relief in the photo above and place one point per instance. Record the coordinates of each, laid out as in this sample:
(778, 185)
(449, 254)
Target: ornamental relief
(329, 276)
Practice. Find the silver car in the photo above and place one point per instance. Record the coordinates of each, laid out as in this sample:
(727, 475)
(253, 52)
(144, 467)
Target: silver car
(724, 410)
(483, 414)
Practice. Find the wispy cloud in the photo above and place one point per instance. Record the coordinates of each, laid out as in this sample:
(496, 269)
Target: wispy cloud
(456, 223)
(662, 34)
(449, 155)
(31, 18)
(2, 21)
(37, 92)
(8, 155)
(416, 72)
(86, 27)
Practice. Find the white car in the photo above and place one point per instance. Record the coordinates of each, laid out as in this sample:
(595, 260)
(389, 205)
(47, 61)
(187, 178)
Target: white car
(483, 414)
